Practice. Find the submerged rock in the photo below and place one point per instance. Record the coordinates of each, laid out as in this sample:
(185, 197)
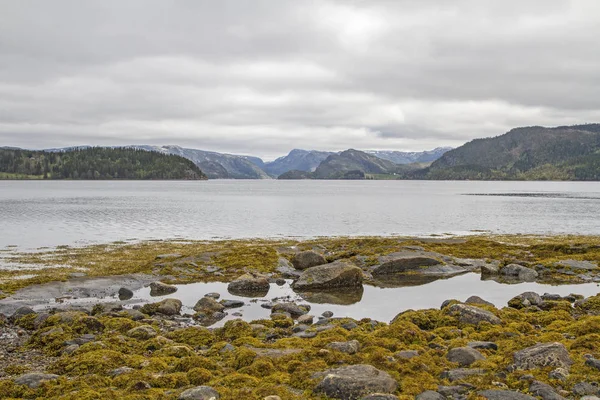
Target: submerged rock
(354, 381)
(161, 289)
(543, 355)
(340, 273)
(307, 259)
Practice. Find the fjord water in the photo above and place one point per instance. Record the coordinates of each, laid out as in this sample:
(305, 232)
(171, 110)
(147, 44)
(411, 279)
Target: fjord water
(35, 214)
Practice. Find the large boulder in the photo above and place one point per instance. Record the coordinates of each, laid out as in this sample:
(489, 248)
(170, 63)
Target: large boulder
(161, 289)
(520, 272)
(543, 355)
(409, 261)
(354, 381)
(165, 307)
(472, 315)
(464, 356)
(526, 299)
(504, 395)
(208, 305)
(340, 273)
(307, 259)
(249, 285)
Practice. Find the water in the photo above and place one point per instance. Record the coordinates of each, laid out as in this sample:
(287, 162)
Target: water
(381, 304)
(36, 214)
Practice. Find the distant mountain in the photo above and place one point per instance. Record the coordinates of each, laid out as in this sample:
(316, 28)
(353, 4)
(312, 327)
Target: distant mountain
(297, 159)
(216, 164)
(530, 153)
(407, 157)
(95, 163)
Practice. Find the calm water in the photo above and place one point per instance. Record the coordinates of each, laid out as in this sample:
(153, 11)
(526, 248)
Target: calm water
(37, 214)
(365, 304)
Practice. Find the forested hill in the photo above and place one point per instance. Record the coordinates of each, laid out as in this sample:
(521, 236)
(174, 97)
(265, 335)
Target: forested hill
(95, 163)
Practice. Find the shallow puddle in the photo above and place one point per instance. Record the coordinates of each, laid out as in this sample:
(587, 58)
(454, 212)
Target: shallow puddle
(381, 304)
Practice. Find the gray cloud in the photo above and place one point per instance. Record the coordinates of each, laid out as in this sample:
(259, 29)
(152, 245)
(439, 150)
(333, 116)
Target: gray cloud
(263, 77)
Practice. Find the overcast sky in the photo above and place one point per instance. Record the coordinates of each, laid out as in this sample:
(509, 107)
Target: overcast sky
(263, 77)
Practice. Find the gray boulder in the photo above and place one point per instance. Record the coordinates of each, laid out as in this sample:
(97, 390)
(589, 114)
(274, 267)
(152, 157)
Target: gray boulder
(355, 381)
(464, 356)
(340, 273)
(307, 259)
(520, 272)
(545, 391)
(430, 395)
(472, 315)
(125, 294)
(526, 299)
(586, 388)
(403, 262)
(543, 355)
(483, 345)
(165, 307)
(505, 395)
(232, 303)
(21, 312)
(593, 362)
(161, 289)
(250, 285)
(350, 347)
(476, 300)
(208, 305)
(291, 308)
(200, 393)
(35, 379)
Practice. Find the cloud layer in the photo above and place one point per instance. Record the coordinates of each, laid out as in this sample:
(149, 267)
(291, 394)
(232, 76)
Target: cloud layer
(263, 77)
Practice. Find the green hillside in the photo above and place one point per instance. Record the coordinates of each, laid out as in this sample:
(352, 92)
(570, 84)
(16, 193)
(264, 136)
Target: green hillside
(531, 153)
(95, 163)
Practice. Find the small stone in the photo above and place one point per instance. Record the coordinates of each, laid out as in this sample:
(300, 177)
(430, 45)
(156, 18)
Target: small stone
(232, 303)
(70, 349)
(593, 362)
(406, 354)
(208, 305)
(545, 391)
(350, 325)
(585, 388)
(472, 315)
(293, 309)
(280, 282)
(483, 345)
(125, 294)
(355, 381)
(166, 256)
(21, 312)
(560, 374)
(200, 393)
(525, 300)
(161, 289)
(461, 373)
(227, 348)
(464, 356)
(141, 385)
(213, 295)
(327, 314)
(305, 319)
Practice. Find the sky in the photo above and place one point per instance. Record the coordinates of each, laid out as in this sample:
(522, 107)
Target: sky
(263, 77)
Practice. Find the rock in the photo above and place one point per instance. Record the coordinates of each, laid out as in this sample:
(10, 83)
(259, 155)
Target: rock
(560, 374)
(350, 347)
(489, 270)
(405, 261)
(143, 332)
(305, 319)
(125, 294)
(21, 312)
(461, 373)
(327, 314)
(119, 371)
(141, 385)
(525, 299)
(249, 285)
(305, 335)
(478, 301)
(576, 264)
(379, 396)
(272, 398)
(350, 325)
(232, 303)
(593, 362)
(340, 273)
(307, 259)
(464, 356)
(134, 315)
(165, 307)
(520, 272)
(291, 308)
(406, 354)
(543, 355)
(209, 319)
(35, 379)
(504, 395)
(285, 268)
(472, 315)
(70, 349)
(483, 345)
(353, 382)
(586, 388)
(280, 281)
(208, 305)
(545, 391)
(161, 289)
(454, 392)
(213, 295)
(200, 393)
(429, 395)
(227, 348)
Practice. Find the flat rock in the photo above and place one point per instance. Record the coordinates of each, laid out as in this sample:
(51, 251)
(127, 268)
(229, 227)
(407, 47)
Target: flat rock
(404, 261)
(338, 274)
(306, 319)
(250, 285)
(35, 379)
(543, 355)
(307, 259)
(576, 264)
(504, 395)
(473, 315)
(232, 303)
(355, 381)
(168, 256)
(545, 391)
(464, 356)
(161, 289)
(200, 393)
(406, 354)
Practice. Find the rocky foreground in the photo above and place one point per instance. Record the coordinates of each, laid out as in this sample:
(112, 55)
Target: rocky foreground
(538, 346)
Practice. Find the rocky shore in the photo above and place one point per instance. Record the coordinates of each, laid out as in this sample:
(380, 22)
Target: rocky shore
(537, 346)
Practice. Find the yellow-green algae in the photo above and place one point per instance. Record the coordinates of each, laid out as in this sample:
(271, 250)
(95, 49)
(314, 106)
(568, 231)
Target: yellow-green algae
(234, 257)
